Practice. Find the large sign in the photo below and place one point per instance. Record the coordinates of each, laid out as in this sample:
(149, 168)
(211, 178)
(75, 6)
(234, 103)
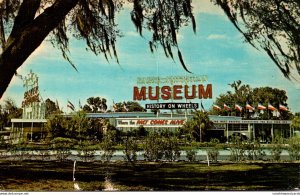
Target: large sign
(175, 92)
(32, 89)
(30, 96)
(172, 88)
(32, 106)
(150, 122)
(171, 80)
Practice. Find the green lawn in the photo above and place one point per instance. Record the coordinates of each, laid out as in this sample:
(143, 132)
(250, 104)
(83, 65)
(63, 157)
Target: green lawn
(177, 176)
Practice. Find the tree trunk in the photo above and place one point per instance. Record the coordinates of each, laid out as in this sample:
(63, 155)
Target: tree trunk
(26, 40)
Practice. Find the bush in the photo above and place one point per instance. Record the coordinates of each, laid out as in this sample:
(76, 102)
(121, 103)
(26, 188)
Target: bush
(153, 147)
(62, 146)
(86, 151)
(276, 148)
(3, 143)
(191, 154)
(130, 150)
(253, 150)
(107, 147)
(45, 154)
(237, 150)
(245, 150)
(171, 148)
(294, 148)
(141, 132)
(213, 151)
(158, 147)
(19, 151)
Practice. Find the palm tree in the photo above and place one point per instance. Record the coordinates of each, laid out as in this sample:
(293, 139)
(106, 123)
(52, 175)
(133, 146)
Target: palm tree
(95, 104)
(198, 125)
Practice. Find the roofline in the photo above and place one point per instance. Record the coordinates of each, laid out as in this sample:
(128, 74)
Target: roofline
(22, 120)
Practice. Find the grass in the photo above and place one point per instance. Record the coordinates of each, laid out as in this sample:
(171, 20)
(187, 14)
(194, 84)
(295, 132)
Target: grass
(145, 176)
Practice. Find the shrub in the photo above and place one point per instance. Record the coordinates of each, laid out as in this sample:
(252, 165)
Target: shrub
(19, 151)
(153, 147)
(171, 148)
(130, 150)
(253, 150)
(158, 147)
(3, 143)
(276, 148)
(237, 150)
(63, 147)
(45, 154)
(191, 154)
(107, 147)
(141, 132)
(294, 148)
(213, 151)
(86, 151)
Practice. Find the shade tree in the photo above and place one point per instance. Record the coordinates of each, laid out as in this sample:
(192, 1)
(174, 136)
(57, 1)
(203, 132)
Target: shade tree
(272, 26)
(24, 25)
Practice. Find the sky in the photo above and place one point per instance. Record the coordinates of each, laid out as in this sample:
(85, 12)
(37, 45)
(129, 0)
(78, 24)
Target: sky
(217, 50)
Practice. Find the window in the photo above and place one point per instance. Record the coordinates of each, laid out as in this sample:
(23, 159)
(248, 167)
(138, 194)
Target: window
(237, 127)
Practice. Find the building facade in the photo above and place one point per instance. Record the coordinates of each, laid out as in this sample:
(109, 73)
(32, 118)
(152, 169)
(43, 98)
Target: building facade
(223, 126)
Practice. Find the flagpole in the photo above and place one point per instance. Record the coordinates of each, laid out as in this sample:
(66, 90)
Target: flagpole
(227, 132)
(268, 111)
(200, 133)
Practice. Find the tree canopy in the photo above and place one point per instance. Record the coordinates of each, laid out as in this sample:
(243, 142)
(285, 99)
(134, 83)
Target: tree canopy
(273, 26)
(296, 122)
(51, 108)
(95, 104)
(8, 111)
(24, 24)
(77, 127)
(197, 126)
(128, 106)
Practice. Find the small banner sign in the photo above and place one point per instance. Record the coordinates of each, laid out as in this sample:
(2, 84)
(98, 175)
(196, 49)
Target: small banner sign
(150, 122)
(172, 106)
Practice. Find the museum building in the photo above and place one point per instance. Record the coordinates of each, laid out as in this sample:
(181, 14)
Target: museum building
(223, 126)
(32, 129)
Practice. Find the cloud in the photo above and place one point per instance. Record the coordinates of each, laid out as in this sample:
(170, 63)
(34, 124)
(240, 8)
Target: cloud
(132, 33)
(216, 36)
(199, 6)
(205, 6)
(128, 5)
(43, 50)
